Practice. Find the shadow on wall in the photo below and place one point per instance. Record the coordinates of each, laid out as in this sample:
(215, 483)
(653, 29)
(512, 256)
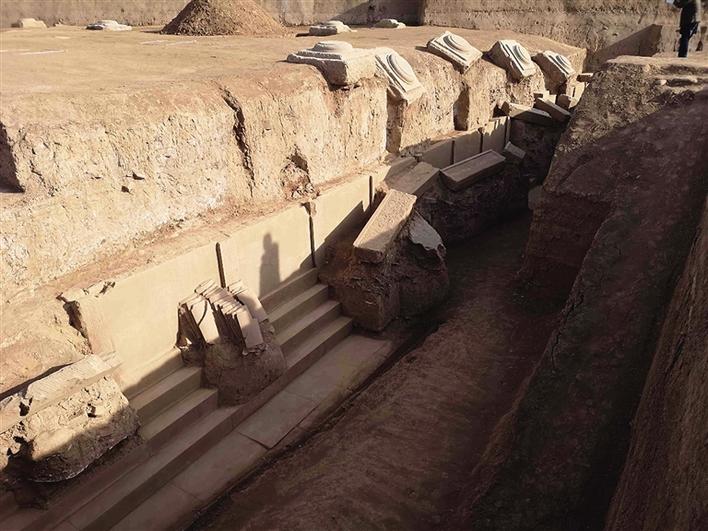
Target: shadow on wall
(270, 264)
(645, 42)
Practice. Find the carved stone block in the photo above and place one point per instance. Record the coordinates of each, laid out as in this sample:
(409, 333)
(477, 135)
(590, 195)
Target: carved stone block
(331, 27)
(555, 66)
(455, 49)
(340, 63)
(403, 84)
(513, 58)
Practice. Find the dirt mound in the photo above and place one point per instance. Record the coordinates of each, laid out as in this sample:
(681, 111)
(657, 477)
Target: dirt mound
(223, 17)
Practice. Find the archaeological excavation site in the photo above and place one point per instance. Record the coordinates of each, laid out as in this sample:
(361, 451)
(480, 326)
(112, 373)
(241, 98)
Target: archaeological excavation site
(354, 264)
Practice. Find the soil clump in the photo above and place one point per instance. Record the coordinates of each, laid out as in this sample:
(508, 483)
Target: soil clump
(223, 17)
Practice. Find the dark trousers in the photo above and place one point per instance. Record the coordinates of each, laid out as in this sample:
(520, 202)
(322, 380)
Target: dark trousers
(683, 44)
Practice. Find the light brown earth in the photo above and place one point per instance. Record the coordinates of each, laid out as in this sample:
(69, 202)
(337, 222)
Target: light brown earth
(223, 17)
(397, 456)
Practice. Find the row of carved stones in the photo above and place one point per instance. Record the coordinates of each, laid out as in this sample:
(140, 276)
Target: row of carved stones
(343, 65)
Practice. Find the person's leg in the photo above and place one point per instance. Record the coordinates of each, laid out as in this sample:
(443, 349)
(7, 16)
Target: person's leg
(683, 44)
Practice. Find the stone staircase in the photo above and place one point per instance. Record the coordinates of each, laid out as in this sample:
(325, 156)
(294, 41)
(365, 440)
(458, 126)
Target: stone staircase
(181, 421)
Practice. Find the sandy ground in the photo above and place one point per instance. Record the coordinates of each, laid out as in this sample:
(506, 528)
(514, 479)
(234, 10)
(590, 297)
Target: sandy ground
(76, 60)
(397, 456)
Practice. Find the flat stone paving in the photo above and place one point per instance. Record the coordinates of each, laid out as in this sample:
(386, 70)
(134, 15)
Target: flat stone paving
(397, 456)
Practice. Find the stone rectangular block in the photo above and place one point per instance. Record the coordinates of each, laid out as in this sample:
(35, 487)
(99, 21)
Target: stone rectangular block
(381, 230)
(527, 114)
(340, 210)
(558, 113)
(566, 102)
(513, 152)
(494, 134)
(340, 63)
(469, 171)
(514, 58)
(466, 146)
(439, 154)
(268, 251)
(415, 181)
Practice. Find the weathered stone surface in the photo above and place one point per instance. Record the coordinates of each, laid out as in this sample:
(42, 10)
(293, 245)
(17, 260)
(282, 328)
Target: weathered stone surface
(558, 113)
(54, 388)
(455, 49)
(439, 154)
(108, 25)
(472, 170)
(466, 146)
(331, 27)
(415, 181)
(526, 114)
(340, 63)
(30, 23)
(495, 134)
(379, 233)
(566, 102)
(390, 23)
(61, 440)
(411, 278)
(403, 83)
(246, 296)
(513, 58)
(240, 375)
(513, 152)
(556, 66)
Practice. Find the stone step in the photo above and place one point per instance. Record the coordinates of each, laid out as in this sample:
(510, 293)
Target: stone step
(136, 381)
(300, 330)
(166, 392)
(112, 505)
(172, 420)
(318, 344)
(285, 314)
(289, 289)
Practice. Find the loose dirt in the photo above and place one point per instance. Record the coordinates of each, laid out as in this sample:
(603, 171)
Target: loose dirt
(223, 17)
(398, 454)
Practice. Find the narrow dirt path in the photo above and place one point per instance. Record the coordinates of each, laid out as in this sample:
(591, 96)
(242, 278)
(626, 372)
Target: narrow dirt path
(398, 456)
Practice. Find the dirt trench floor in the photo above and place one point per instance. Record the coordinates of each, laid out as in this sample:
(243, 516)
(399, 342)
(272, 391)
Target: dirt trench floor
(398, 454)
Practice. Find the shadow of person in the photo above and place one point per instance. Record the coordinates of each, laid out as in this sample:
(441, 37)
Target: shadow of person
(270, 266)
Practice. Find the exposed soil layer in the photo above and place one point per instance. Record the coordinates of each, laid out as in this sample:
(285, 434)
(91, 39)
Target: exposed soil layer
(223, 17)
(664, 484)
(620, 208)
(398, 454)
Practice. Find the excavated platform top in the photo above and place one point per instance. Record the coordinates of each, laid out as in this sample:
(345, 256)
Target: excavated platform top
(72, 59)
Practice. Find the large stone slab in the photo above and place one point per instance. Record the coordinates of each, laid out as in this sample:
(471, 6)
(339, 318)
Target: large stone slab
(340, 63)
(439, 154)
(495, 134)
(527, 114)
(469, 171)
(403, 84)
(380, 232)
(514, 58)
(466, 146)
(415, 181)
(455, 49)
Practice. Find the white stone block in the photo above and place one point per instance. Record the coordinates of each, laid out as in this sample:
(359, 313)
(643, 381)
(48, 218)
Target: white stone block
(30, 23)
(108, 25)
(340, 63)
(513, 58)
(331, 27)
(555, 66)
(390, 23)
(403, 84)
(455, 49)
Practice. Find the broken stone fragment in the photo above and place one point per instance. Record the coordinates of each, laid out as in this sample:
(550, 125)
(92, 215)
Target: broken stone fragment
(455, 49)
(331, 27)
(472, 170)
(63, 439)
(340, 63)
(391, 23)
(30, 23)
(379, 233)
(108, 25)
(526, 114)
(422, 234)
(556, 66)
(513, 152)
(566, 102)
(558, 113)
(514, 58)
(403, 84)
